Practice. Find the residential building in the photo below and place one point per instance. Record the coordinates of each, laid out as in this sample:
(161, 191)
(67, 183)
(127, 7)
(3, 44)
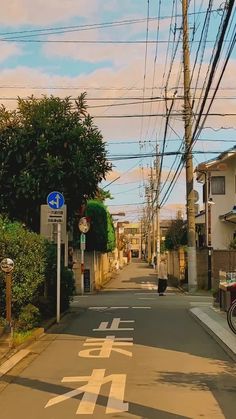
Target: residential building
(132, 233)
(216, 224)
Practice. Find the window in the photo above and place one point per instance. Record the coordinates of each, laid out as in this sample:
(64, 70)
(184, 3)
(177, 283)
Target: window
(131, 231)
(134, 241)
(218, 185)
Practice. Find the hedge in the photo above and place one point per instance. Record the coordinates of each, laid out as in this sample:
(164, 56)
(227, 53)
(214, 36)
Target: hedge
(34, 275)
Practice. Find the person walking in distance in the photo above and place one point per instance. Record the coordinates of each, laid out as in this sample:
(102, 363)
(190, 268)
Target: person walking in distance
(162, 275)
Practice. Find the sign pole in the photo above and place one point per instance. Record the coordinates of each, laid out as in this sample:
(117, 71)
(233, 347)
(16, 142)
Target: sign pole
(58, 270)
(82, 270)
(8, 297)
(84, 226)
(55, 201)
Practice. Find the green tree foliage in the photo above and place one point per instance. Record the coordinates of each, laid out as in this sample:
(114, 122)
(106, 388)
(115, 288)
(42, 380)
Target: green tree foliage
(176, 235)
(101, 235)
(34, 275)
(29, 318)
(45, 145)
(27, 250)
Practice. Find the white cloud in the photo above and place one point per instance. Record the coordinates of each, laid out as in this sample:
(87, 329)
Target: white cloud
(43, 12)
(8, 50)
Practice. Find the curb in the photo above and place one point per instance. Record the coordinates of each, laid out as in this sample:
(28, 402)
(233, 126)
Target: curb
(219, 333)
(16, 354)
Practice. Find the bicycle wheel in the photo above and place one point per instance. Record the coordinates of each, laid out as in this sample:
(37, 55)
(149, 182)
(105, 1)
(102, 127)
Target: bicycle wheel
(231, 317)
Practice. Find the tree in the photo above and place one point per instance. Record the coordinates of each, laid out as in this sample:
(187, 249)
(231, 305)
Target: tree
(48, 144)
(101, 235)
(176, 235)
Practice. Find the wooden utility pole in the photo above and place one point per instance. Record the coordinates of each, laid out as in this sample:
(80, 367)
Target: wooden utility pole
(192, 265)
(149, 244)
(152, 183)
(158, 235)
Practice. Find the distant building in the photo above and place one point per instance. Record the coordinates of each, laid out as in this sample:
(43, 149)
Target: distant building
(164, 227)
(132, 234)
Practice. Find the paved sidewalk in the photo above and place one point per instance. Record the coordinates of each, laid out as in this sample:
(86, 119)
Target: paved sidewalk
(215, 322)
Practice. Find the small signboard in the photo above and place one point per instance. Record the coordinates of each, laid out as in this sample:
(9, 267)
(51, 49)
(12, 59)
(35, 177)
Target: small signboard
(82, 241)
(87, 284)
(55, 216)
(48, 229)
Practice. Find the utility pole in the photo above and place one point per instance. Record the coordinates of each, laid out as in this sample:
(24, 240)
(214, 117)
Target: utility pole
(192, 260)
(149, 248)
(152, 182)
(158, 235)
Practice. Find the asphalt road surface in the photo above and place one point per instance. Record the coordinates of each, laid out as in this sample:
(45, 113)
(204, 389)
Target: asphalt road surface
(124, 353)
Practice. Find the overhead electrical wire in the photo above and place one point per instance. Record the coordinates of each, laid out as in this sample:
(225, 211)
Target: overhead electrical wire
(210, 79)
(145, 66)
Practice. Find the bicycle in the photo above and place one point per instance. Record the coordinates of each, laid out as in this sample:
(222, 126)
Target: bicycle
(231, 317)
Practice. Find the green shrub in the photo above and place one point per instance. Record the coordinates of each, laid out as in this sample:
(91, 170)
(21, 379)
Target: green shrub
(27, 250)
(34, 279)
(28, 319)
(101, 235)
(3, 322)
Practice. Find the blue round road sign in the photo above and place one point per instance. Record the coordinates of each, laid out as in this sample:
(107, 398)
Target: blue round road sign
(55, 200)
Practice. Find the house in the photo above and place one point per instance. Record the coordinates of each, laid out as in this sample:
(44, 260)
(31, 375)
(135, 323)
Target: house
(132, 233)
(216, 225)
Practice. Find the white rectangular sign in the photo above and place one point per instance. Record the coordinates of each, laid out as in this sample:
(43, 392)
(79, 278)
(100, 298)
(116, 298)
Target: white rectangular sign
(48, 229)
(55, 216)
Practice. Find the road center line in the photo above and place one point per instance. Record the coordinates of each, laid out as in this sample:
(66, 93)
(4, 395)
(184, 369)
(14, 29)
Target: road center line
(142, 307)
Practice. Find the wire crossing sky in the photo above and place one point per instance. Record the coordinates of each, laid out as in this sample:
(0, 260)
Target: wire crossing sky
(127, 56)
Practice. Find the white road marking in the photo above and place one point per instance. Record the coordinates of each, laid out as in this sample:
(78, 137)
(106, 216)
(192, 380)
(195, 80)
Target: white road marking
(105, 346)
(91, 390)
(8, 365)
(114, 325)
(97, 308)
(146, 298)
(142, 307)
(115, 308)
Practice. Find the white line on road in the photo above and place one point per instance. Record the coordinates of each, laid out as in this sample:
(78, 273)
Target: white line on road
(143, 307)
(144, 298)
(115, 308)
(8, 365)
(97, 308)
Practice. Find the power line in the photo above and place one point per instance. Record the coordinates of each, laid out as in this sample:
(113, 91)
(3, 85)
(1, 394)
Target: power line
(161, 115)
(96, 42)
(152, 154)
(228, 140)
(89, 26)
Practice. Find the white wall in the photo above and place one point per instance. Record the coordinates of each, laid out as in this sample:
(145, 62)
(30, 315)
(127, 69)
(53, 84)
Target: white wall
(221, 231)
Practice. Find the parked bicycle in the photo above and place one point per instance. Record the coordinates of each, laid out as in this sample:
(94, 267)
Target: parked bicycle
(231, 316)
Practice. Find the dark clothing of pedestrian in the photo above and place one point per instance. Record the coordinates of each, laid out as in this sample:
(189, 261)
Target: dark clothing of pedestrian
(162, 285)
(162, 276)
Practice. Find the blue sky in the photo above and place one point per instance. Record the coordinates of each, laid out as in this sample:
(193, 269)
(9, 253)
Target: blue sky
(117, 76)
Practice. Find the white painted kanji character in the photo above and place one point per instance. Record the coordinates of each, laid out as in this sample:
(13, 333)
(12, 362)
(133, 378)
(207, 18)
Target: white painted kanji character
(105, 346)
(114, 325)
(115, 403)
